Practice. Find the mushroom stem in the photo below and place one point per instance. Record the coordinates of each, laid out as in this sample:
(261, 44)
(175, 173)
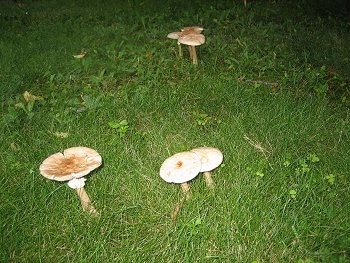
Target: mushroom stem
(177, 209)
(180, 50)
(186, 190)
(194, 55)
(190, 50)
(85, 201)
(208, 180)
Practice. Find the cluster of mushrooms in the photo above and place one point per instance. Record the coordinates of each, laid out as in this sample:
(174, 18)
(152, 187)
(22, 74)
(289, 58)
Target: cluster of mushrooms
(191, 36)
(76, 162)
(184, 166)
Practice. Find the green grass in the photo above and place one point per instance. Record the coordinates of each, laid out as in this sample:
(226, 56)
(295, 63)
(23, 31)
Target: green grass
(271, 91)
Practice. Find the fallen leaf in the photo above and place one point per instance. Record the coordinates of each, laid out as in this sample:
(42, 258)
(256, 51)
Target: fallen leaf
(61, 134)
(30, 97)
(80, 55)
(14, 146)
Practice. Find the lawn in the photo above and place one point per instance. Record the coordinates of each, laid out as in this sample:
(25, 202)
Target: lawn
(271, 90)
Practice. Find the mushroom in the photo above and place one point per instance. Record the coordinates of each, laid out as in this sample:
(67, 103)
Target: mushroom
(192, 40)
(210, 159)
(181, 168)
(176, 35)
(192, 29)
(186, 31)
(71, 166)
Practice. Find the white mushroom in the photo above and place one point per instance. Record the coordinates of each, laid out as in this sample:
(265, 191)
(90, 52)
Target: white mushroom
(210, 159)
(181, 168)
(71, 166)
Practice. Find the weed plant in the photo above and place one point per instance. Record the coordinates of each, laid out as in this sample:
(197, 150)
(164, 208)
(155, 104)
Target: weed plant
(271, 90)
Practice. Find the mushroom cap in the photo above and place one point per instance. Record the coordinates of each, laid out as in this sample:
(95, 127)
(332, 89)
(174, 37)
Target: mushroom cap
(192, 39)
(73, 163)
(174, 35)
(210, 157)
(193, 29)
(180, 168)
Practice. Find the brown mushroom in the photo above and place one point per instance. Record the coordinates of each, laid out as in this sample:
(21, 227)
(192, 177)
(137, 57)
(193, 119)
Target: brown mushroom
(192, 40)
(192, 29)
(71, 166)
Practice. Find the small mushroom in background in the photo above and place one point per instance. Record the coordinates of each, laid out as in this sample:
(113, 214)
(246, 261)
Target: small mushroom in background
(181, 168)
(187, 36)
(71, 166)
(192, 29)
(192, 40)
(210, 158)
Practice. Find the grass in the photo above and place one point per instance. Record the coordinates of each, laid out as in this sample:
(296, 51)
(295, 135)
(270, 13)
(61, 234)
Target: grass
(271, 91)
